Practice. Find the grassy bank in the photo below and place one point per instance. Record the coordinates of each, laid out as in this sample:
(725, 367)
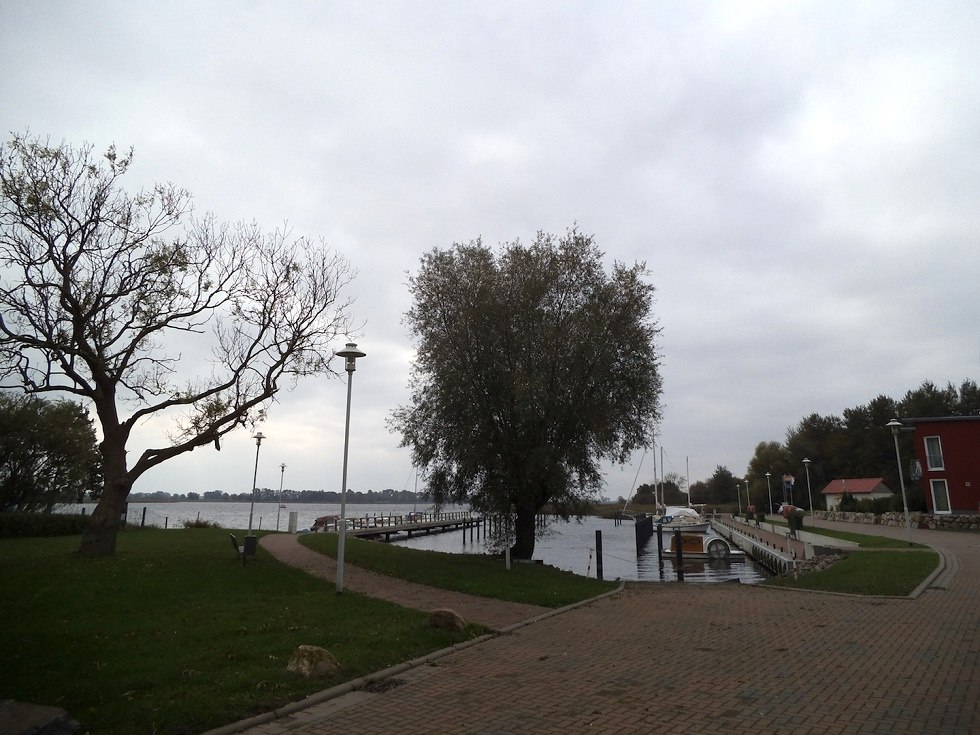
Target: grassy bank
(474, 574)
(880, 566)
(890, 573)
(174, 635)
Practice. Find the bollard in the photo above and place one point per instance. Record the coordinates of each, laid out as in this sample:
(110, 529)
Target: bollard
(598, 555)
(679, 542)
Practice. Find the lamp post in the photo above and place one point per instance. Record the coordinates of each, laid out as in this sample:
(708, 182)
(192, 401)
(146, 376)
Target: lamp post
(255, 478)
(350, 353)
(896, 426)
(282, 476)
(738, 496)
(769, 486)
(806, 465)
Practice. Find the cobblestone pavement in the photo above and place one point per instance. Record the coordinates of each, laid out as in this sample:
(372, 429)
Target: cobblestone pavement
(684, 658)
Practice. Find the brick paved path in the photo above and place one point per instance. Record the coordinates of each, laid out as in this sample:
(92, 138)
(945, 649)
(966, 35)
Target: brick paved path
(683, 658)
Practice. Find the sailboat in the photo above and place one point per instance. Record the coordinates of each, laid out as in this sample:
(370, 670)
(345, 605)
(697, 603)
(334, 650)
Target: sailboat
(685, 518)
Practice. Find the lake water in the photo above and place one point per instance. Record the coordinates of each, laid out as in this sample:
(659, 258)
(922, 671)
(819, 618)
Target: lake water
(569, 546)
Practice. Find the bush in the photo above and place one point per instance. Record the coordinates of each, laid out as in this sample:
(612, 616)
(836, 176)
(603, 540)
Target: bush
(200, 523)
(848, 504)
(760, 517)
(23, 525)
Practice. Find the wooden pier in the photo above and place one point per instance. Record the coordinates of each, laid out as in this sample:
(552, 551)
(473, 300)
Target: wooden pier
(385, 527)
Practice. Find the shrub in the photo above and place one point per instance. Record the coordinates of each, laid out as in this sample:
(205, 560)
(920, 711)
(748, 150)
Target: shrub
(23, 525)
(200, 523)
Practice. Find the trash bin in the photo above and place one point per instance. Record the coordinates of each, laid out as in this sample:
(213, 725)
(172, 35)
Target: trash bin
(251, 544)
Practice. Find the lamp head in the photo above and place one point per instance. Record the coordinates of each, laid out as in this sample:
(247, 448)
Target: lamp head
(350, 353)
(895, 425)
(259, 436)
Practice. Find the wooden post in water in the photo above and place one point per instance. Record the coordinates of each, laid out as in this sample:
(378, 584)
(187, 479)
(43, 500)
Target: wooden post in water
(598, 554)
(679, 560)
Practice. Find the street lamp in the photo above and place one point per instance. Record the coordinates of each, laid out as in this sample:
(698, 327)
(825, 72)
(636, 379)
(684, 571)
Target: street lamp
(896, 426)
(350, 353)
(738, 496)
(282, 476)
(255, 478)
(769, 486)
(806, 464)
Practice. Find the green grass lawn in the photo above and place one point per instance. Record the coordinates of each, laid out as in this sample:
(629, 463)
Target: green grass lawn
(880, 572)
(173, 634)
(881, 566)
(476, 574)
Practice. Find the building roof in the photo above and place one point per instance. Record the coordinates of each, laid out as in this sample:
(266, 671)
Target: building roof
(941, 419)
(854, 485)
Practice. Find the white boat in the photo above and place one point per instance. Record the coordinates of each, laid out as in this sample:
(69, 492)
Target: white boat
(687, 520)
(702, 546)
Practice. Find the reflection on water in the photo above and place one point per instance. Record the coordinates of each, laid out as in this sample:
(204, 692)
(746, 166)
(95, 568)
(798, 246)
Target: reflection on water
(572, 546)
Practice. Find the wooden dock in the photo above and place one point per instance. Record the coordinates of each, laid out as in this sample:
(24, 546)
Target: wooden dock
(385, 527)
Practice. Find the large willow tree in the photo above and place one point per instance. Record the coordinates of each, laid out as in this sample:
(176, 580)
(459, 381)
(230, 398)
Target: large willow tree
(534, 364)
(111, 297)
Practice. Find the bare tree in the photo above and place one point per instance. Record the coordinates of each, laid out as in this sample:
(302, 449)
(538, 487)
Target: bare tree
(100, 291)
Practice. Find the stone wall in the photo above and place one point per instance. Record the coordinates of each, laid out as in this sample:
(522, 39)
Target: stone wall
(953, 522)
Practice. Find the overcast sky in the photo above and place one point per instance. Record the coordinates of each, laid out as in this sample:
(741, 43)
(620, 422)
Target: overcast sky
(802, 179)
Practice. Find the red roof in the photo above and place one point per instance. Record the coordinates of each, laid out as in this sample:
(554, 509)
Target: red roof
(855, 486)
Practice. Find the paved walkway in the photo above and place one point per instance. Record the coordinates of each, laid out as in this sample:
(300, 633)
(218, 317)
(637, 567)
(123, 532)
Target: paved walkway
(492, 613)
(684, 658)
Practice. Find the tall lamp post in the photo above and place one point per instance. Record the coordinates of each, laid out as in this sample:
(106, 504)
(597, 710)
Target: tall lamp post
(350, 353)
(738, 496)
(769, 487)
(806, 465)
(282, 476)
(896, 426)
(255, 478)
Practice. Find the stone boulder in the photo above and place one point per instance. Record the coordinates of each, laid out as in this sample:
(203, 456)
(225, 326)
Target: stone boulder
(446, 619)
(310, 661)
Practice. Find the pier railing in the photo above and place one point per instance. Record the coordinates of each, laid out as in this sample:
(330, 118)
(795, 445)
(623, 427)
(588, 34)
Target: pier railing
(387, 521)
(775, 552)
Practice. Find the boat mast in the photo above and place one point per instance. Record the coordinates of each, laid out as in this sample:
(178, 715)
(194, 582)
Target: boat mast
(687, 468)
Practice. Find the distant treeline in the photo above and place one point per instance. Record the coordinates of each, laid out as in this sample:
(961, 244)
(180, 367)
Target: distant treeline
(269, 495)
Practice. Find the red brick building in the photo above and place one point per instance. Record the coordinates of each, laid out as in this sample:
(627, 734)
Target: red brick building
(948, 455)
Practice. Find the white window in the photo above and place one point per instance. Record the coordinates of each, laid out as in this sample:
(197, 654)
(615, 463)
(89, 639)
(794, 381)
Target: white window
(934, 453)
(940, 496)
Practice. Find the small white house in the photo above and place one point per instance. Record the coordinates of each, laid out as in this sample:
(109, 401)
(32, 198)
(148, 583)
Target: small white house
(860, 488)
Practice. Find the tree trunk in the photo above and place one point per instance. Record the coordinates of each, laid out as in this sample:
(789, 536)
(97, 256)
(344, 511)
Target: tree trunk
(524, 534)
(99, 538)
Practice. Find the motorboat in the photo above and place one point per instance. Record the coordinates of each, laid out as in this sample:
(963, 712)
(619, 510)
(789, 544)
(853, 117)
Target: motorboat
(687, 520)
(703, 546)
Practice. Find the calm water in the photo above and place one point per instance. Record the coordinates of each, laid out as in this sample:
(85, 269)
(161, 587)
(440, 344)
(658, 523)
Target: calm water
(569, 546)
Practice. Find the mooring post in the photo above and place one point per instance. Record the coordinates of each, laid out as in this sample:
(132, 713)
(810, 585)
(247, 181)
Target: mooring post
(660, 543)
(598, 554)
(680, 554)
